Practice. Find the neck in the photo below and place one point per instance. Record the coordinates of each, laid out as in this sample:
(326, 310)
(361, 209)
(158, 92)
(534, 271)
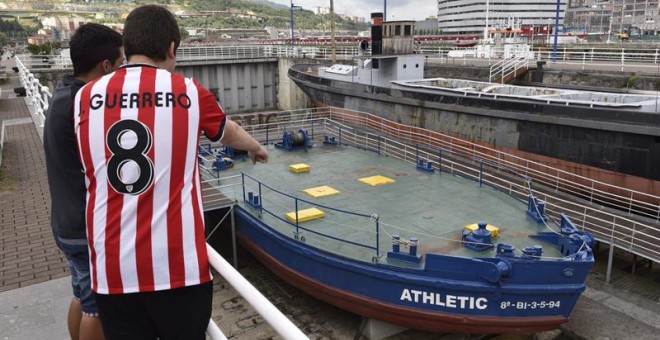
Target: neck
(87, 77)
(142, 59)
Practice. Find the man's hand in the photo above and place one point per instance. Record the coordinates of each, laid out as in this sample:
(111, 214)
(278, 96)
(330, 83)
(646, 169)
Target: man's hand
(260, 155)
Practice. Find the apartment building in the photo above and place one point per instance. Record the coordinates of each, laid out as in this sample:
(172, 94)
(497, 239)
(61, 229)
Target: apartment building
(470, 17)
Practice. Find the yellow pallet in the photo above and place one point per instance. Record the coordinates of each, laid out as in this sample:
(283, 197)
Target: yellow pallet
(305, 215)
(376, 180)
(300, 167)
(321, 191)
(494, 231)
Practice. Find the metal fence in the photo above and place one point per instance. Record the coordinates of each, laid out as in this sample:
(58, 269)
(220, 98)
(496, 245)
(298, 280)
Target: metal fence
(629, 222)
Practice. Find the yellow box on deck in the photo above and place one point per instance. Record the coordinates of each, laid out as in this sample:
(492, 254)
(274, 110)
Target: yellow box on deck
(494, 231)
(305, 215)
(300, 167)
(376, 180)
(321, 191)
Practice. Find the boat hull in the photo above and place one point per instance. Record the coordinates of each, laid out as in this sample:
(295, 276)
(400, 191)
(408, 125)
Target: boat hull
(420, 299)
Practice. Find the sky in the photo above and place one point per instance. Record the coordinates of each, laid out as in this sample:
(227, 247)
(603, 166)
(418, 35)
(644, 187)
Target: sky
(396, 9)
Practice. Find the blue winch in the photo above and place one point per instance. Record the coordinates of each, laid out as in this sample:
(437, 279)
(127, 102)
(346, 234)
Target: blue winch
(293, 140)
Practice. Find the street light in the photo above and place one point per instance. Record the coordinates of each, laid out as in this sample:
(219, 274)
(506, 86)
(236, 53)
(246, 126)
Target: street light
(609, 31)
(297, 8)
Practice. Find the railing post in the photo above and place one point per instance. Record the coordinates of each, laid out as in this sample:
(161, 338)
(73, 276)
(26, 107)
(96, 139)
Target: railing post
(439, 161)
(631, 203)
(378, 144)
(243, 184)
(261, 200)
(481, 171)
(377, 238)
(297, 226)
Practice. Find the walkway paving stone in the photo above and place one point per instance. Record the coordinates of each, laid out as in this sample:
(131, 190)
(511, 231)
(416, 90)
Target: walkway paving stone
(28, 253)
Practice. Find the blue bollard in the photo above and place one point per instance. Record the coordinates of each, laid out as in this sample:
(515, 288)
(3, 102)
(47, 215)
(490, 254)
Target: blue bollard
(396, 247)
(413, 246)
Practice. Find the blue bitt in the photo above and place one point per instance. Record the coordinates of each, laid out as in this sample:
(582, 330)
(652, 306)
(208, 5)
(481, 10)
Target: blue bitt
(478, 240)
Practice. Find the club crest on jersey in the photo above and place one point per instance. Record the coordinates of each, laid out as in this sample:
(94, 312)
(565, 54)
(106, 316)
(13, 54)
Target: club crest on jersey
(129, 188)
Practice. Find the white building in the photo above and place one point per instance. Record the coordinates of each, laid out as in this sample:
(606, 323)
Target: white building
(469, 17)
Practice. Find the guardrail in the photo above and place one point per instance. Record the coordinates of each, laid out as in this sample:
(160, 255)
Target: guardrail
(280, 323)
(508, 67)
(38, 95)
(50, 62)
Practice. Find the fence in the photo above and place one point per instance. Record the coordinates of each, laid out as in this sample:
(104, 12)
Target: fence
(630, 222)
(38, 95)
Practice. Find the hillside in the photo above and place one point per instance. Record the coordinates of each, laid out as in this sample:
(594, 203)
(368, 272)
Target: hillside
(260, 13)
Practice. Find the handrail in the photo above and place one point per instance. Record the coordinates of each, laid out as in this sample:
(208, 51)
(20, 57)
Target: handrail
(38, 95)
(627, 200)
(280, 323)
(509, 66)
(592, 190)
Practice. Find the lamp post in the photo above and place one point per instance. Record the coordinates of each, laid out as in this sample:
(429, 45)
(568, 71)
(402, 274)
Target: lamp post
(487, 13)
(554, 43)
(297, 8)
(609, 31)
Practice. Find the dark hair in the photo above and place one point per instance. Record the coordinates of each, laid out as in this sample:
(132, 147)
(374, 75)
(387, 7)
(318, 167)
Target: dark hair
(91, 44)
(149, 30)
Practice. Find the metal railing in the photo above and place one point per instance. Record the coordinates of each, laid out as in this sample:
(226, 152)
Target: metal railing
(578, 197)
(280, 323)
(38, 95)
(628, 201)
(505, 68)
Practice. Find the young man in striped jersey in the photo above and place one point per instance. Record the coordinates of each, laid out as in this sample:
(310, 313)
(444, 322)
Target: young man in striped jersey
(96, 50)
(138, 130)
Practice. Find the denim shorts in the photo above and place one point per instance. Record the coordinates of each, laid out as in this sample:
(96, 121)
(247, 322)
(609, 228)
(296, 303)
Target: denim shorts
(77, 254)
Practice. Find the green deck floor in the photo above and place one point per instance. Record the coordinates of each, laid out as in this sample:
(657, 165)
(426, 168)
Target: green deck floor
(432, 207)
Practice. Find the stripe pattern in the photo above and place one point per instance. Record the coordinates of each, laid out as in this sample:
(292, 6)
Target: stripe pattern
(138, 130)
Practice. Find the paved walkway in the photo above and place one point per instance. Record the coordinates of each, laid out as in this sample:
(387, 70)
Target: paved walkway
(28, 254)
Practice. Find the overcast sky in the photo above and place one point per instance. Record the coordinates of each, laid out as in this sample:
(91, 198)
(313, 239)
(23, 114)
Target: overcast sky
(396, 9)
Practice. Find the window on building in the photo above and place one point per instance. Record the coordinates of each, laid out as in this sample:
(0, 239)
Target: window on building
(406, 30)
(397, 30)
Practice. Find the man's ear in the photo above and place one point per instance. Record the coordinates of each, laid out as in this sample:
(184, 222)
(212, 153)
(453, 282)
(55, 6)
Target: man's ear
(171, 51)
(106, 66)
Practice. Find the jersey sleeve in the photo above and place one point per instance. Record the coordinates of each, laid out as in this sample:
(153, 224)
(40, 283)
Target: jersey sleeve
(212, 117)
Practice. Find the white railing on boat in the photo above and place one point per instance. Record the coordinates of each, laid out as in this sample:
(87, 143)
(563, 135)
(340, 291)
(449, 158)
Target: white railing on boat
(630, 223)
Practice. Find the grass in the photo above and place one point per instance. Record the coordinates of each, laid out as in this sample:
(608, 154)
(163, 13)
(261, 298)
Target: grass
(6, 183)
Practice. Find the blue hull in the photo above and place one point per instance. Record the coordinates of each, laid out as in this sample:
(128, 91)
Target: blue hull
(445, 294)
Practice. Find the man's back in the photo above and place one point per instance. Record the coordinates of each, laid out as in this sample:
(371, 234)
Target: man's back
(138, 132)
(65, 177)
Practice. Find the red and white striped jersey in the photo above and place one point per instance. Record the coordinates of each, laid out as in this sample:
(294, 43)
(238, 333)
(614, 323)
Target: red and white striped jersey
(138, 130)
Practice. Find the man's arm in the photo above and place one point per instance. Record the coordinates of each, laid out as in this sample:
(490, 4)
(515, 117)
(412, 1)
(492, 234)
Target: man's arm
(236, 137)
